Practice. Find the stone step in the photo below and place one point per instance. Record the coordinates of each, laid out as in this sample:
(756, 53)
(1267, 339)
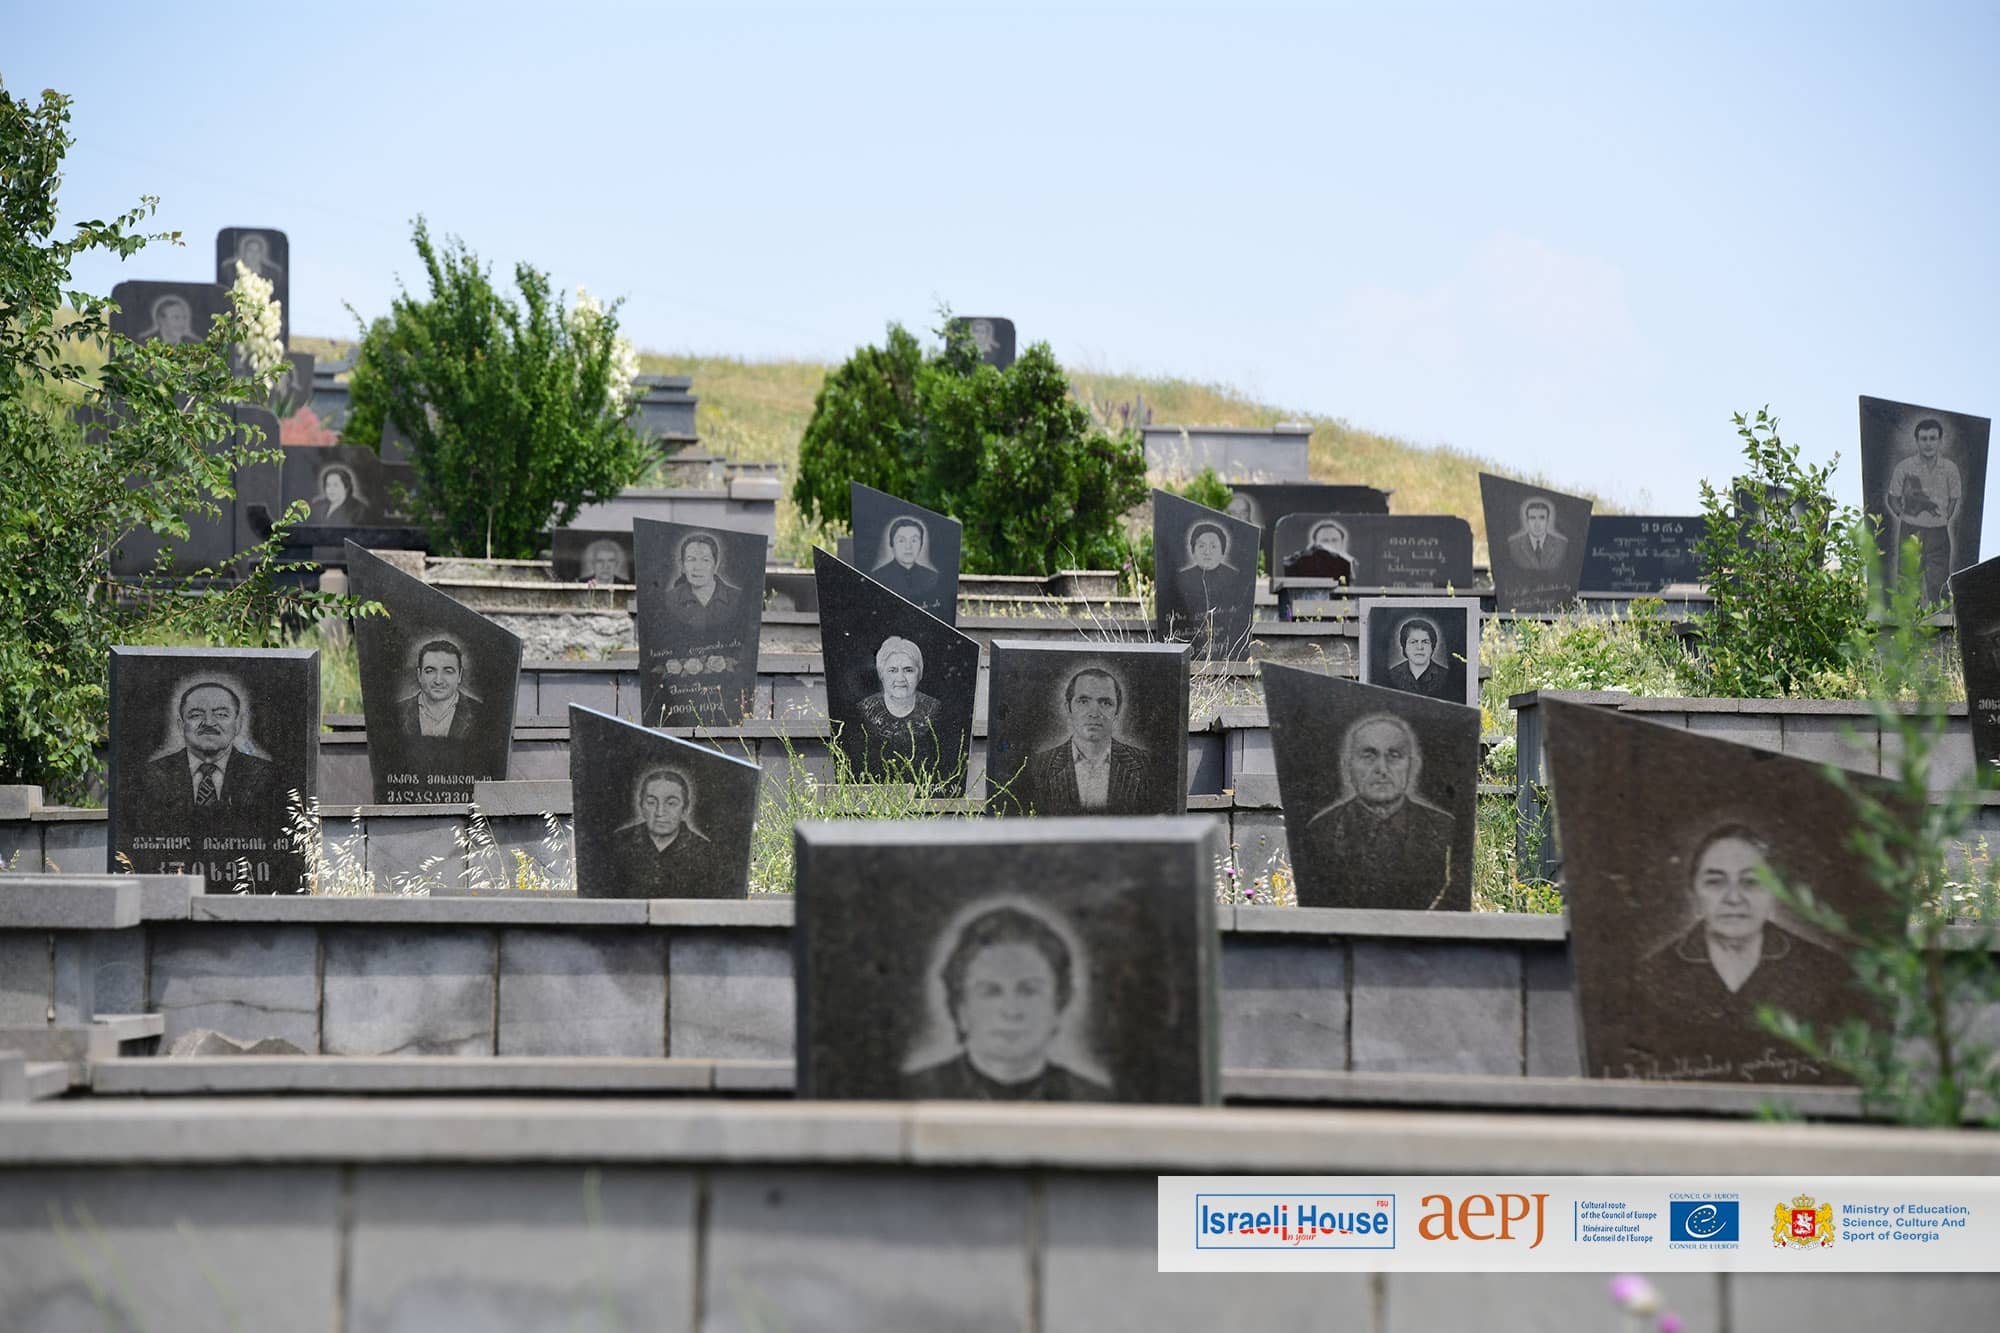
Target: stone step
(76, 1046)
(47, 1080)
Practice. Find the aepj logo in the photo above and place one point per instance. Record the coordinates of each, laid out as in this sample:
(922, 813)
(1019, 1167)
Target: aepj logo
(1714, 1221)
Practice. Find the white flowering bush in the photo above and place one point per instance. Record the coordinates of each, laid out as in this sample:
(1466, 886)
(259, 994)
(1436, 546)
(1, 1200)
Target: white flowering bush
(587, 316)
(262, 349)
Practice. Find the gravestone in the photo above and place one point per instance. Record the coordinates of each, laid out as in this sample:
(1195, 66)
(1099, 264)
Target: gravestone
(1122, 709)
(1063, 960)
(1536, 539)
(345, 484)
(214, 764)
(1923, 475)
(992, 336)
(1381, 550)
(1266, 503)
(657, 816)
(170, 312)
(906, 548)
(293, 389)
(1975, 598)
(1204, 577)
(265, 251)
(899, 682)
(1427, 646)
(241, 521)
(437, 687)
(1676, 938)
(701, 606)
(1380, 790)
(580, 556)
(1642, 553)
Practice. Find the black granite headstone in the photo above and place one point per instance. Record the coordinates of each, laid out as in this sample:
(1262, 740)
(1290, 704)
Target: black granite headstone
(214, 763)
(1923, 475)
(1676, 938)
(1642, 553)
(1267, 503)
(1204, 577)
(1098, 729)
(1062, 960)
(1382, 550)
(899, 682)
(1427, 646)
(657, 816)
(580, 556)
(1975, 597)
(241, 521)
(701, 607)
(1379, 788)
(906, 548)
(1535, 541)
(170, 312)
(266, 252)
(992, 336)
(293, 389)
(437, 687)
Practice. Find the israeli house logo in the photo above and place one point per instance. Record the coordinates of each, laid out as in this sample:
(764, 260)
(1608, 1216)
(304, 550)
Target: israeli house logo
(1704, 1221)
(1295, 1221)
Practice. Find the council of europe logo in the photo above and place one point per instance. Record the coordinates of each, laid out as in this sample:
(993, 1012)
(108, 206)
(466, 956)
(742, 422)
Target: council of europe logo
(1715, 1221)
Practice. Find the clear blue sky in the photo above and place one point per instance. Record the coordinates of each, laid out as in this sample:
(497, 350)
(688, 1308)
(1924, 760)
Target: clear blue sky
(1571, 238)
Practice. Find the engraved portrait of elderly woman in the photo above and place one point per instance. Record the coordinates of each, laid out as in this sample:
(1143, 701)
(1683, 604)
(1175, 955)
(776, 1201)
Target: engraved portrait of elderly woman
(900, 719)
(1703, 986)
(1009, 982)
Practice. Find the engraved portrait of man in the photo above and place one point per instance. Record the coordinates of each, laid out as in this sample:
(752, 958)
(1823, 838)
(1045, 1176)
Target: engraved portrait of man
(604, 561)
(1923, 499)
(213, 778)
(661, 854)
(1009, 981)
(172, 321)
(1381, 842)
(905, 568)
(1536, 545)
(440, 707)
(1091, 772)
(253, 252)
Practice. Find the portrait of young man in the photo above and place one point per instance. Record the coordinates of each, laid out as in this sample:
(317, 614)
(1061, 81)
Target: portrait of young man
(440, 708)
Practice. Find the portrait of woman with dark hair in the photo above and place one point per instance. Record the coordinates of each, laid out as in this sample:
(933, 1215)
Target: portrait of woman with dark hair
(700, 598)
(340, 500)
(905, 565)
(1009, 980)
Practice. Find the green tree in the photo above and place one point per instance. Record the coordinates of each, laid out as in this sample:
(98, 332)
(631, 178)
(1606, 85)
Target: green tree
(1785, 569)
(1009, 453)
(515, 413)
(70, 496)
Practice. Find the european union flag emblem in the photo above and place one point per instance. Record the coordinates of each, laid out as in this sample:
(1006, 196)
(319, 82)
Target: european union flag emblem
(1702, 1220)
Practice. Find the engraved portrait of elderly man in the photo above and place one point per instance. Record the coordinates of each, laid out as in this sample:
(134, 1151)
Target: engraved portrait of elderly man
(1381, 843)
(1091, 772)
(211, 779)
(604, 562)
(661, 854)
(700, 598)
(1704, 986)
(440, 706)
(900, 718)
(906, 569)
(1426, 668)
(1537, 545)
(1009, 980)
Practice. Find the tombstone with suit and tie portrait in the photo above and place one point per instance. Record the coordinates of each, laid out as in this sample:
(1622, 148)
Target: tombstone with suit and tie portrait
(214, 762)
(906, 548)
(1094, 730)
(1536, 541)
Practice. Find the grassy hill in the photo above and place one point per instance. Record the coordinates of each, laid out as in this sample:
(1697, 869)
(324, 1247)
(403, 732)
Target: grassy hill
(757, 410)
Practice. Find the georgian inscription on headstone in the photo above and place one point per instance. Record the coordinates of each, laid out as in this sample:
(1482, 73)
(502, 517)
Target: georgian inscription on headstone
(1093, 730)
(266, 252)
(214, 757)
(1975, 598)
(242, 520)
(603, 558)
(1923, 475)
(1266, 504)
(1204, 577)
(1381, 550)
(899, 682)
(1063, 960)
(1676, 935)
(1426, 646)
(168, 312)
(1379, 788)
(992, 336)
(437, 687)
(906, 548)
(657, 816)
(701, 607)
(1536, 539)
(1636, 553)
